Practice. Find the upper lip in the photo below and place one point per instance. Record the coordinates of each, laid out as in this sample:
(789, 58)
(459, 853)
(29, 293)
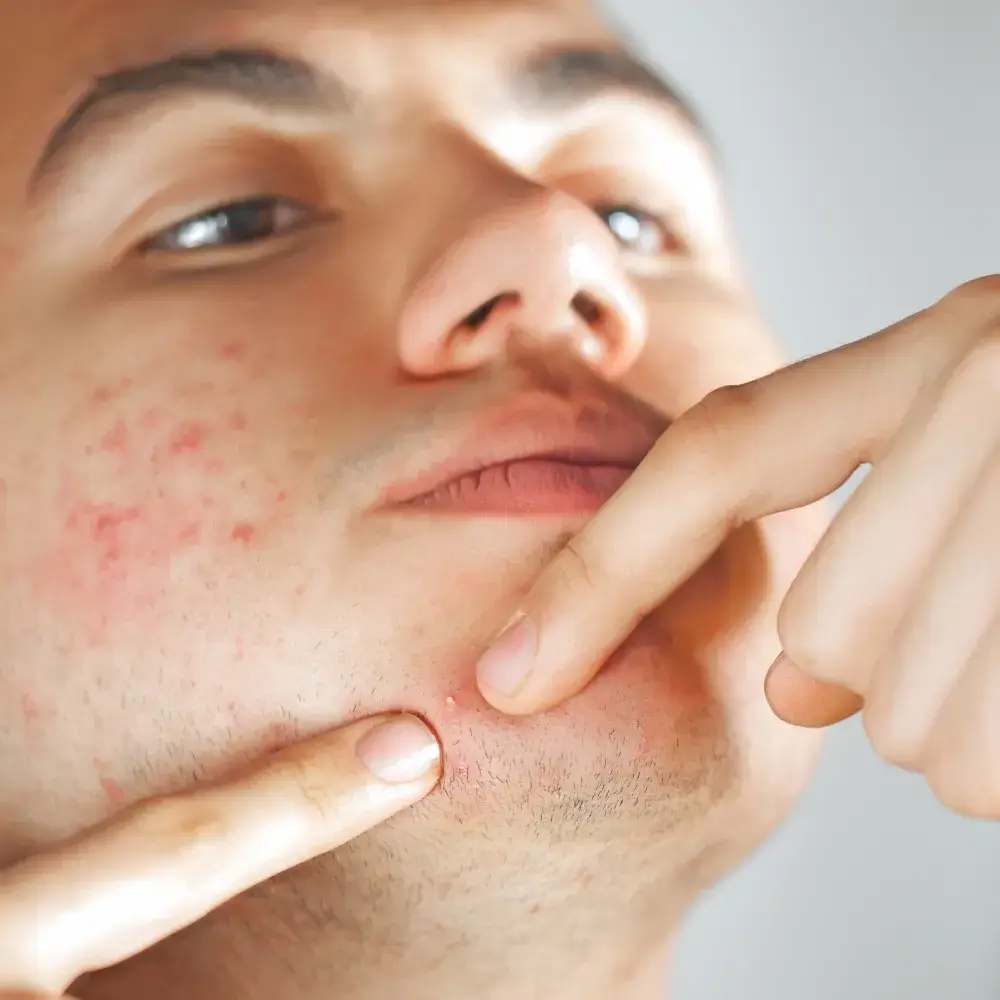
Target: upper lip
(585, 432)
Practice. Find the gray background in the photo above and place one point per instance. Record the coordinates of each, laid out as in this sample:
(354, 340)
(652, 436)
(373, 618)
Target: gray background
(862, 146)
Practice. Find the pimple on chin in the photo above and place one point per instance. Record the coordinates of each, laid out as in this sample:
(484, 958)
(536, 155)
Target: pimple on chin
(113, 792)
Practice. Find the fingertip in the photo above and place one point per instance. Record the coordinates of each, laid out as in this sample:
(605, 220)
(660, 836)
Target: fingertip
(801, 700)
(505, 667)
(401, 749)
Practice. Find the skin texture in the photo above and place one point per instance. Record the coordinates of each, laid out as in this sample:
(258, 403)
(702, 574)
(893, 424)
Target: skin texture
(192, 450)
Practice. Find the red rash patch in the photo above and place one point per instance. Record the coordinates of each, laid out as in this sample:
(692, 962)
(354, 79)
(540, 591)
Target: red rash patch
(112, 563)
(233, 351)
(104, 524)
(244, 533)
(113, 792)
(189, 534)
(188, 437)
(116, 440)
(105, 393)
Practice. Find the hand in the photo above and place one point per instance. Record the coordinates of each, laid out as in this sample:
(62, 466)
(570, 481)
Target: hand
(898, 608)
(114, 891)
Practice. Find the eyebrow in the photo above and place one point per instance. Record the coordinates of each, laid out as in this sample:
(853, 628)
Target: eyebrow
(260, 77)
(563, 79)
(547, 81)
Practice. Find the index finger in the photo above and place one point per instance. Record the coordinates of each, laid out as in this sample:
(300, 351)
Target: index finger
(163, 864)
(781, 442)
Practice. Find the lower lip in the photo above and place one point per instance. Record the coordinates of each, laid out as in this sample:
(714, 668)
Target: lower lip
(527, 489)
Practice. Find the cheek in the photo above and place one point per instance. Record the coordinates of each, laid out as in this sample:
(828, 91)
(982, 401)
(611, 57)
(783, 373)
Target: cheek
(148, 499)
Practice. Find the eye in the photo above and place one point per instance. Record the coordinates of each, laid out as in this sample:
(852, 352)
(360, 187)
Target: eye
(639, 231)
(236, 224)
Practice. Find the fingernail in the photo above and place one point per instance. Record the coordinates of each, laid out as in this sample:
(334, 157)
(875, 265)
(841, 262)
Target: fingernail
(505, 666)
(400, 750)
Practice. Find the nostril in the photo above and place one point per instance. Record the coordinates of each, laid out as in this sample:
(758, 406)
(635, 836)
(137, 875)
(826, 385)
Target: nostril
(480, 315)
(588, 309)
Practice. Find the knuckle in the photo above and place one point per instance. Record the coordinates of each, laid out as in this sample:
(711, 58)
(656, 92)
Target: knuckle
(978, 371)
(184, 822)
(976, 800)
(710, 450)
(580, 568)
(308, 782)
(986, 288)
(889, 738)
(733, 399)
(807, 646)
(725, 406)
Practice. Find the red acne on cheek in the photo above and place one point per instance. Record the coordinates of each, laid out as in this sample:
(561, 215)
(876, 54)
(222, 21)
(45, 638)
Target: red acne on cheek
(244, 533)
(189, 534)
(233, 351)
(29, 708)
(105, 525)
(238, 421)
(116, 440)
(111, 566)
(189, 437)
(105, 393)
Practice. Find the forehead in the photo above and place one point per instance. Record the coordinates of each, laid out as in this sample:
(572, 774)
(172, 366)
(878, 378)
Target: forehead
(60, 47)
(92, 36)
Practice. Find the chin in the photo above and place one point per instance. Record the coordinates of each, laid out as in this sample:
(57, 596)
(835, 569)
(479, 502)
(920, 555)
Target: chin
(673, 734)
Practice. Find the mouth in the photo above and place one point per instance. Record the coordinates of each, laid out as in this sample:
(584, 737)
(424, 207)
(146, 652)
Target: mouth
(531, 461)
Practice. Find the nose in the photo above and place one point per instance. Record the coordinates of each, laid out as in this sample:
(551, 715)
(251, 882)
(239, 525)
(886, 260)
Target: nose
(541, 268)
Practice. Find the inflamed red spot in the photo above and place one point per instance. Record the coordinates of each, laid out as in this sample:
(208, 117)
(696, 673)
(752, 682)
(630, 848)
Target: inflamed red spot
(116, 439)
(233, 351)
(188, 437)
(244, 533)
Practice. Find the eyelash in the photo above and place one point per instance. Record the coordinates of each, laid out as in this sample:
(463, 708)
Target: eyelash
(216, 223)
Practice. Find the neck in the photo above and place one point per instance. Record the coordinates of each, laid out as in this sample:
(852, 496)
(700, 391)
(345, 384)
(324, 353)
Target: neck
(534, 925)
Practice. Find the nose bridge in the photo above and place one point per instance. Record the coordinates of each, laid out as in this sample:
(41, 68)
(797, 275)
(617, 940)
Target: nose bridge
(527, 261)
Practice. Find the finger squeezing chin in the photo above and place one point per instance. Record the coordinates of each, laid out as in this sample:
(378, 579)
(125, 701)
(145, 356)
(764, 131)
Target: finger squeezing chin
(801, 700)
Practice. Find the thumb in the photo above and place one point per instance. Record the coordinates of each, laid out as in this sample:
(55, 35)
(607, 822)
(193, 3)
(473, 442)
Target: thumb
(801, 700)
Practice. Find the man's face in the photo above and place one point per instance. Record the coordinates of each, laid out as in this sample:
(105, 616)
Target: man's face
(255, 298)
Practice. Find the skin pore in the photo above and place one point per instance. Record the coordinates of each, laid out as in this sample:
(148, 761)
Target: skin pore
(196, 439)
